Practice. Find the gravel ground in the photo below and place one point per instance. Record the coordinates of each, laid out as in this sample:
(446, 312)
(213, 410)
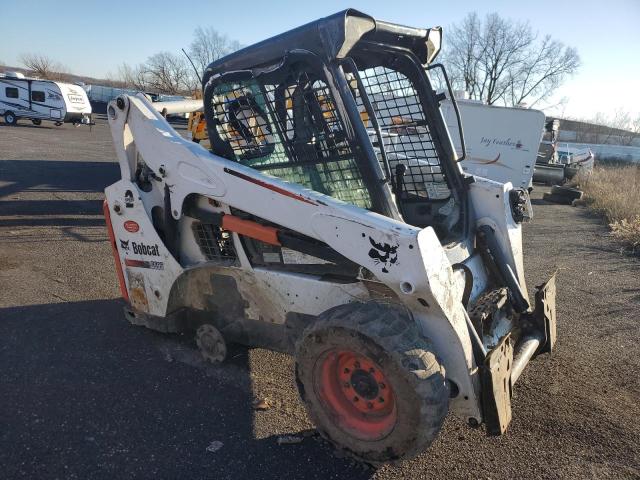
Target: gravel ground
(83, 394)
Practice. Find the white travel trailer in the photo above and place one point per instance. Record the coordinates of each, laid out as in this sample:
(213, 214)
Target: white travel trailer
(501, 142)
(37, 100)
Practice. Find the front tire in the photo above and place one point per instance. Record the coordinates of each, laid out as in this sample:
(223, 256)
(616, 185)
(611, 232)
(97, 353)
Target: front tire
(10, 118)
(371, 382)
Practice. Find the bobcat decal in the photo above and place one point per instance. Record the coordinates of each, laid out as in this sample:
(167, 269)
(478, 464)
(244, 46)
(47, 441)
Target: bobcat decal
(384, 253)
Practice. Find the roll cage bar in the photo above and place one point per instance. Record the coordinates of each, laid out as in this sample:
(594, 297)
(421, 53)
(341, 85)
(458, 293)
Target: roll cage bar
(334, 48)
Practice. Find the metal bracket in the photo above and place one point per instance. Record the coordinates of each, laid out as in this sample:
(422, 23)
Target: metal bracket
(544, 314)
(496, 387)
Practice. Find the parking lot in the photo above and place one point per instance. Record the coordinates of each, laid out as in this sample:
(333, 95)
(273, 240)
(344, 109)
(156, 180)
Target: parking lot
(83, 394)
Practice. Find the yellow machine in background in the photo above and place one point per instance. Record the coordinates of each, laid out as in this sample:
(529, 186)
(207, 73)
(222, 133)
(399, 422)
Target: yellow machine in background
(198, 127)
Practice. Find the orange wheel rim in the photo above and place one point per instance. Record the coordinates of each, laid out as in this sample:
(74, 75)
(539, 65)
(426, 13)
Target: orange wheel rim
(356, 394)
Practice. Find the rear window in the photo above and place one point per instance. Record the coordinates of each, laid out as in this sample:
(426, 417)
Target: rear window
(37, 96)
(11, 92)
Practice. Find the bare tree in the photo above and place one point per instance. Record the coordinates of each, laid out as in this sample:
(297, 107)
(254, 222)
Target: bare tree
(624, 126)
(43, 66)
(168, 73)
(497, 60)
(590, 130)
(132, 76)
(209, 45)
(634, 130)
(542, 71)
(621, 128)
(464, 52)
(163, 72)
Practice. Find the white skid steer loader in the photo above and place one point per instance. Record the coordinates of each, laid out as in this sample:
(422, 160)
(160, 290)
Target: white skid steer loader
(331, 220)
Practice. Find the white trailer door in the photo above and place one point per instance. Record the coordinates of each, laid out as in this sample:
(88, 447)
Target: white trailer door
(502, 143)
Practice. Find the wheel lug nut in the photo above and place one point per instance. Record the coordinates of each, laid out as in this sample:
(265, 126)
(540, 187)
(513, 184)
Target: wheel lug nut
(355, 399)
(346, 370)
(357, 364)
(382, 385)
(371, 370)
(369, 405)
(346, 385)
(381, 400)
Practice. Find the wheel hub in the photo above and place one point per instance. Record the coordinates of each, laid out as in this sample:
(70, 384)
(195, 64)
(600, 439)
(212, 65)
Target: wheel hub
(364, 384)
(211, 344)
(357, 394)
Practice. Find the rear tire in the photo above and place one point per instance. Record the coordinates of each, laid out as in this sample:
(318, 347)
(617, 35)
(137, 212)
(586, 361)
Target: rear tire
(10, 118)
(371, 382)
(36, 121)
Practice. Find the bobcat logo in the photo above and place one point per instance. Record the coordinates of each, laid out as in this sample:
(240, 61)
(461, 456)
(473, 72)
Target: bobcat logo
(383, 253)
(124, 245)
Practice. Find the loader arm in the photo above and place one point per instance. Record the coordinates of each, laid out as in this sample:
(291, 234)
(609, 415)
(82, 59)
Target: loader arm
(409, 260)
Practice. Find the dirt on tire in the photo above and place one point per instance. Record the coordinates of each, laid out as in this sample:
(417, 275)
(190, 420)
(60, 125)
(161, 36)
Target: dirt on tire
(391, 337)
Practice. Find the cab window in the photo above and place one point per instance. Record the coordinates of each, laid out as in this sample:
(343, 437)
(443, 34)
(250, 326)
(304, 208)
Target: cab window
(288, 128)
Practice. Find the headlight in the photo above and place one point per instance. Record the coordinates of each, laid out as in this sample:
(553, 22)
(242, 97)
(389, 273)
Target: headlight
(520, 205)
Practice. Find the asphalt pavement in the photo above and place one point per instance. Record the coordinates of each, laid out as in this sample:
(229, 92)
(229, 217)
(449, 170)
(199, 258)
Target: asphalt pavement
(84, 394)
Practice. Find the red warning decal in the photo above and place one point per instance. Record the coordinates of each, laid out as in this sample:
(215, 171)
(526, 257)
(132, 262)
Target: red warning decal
(131, 226)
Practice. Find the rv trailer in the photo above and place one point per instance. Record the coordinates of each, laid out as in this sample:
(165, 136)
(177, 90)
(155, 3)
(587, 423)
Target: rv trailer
(501, 142)
(37, 100)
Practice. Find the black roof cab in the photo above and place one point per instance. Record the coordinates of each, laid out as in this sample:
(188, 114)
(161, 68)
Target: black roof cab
(344, 106)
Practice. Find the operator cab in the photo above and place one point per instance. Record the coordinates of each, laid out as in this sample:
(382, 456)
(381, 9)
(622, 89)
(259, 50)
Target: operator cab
(343, 106)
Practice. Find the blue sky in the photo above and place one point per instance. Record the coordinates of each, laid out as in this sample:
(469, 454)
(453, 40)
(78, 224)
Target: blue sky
(93, 37)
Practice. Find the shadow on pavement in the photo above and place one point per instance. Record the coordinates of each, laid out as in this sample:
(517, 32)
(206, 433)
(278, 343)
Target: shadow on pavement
(20, 178)
(27, 125)
(86, 395)
(55, 176)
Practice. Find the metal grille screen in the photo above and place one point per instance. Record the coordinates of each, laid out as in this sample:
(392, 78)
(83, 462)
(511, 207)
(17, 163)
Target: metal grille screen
(290, 131)
(405, 131)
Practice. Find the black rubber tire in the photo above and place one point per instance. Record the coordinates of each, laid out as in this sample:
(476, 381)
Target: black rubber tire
(10, 118)
(569, 193)
(549, 197)
(390, 336)
(36, 121)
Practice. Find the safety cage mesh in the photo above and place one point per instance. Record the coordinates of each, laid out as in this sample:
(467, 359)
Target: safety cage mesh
(290, 130)
(404, 129)
(215, 243)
